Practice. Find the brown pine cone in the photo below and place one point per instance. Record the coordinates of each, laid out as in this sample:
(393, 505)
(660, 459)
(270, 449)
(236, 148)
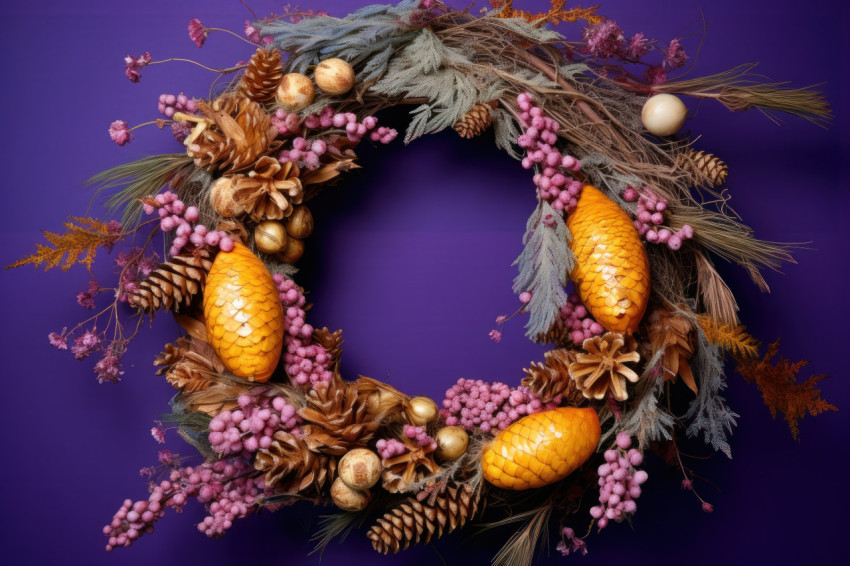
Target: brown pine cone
(240, 133)
(335, 421)
(552, 378)
(331, 342)
(704, 165)
(189, 365)
(476, 121)
(174, 283)
(674, 333)
(262, 76)
(291, 467)
(602, 366)
(411, 521)
(268, 191)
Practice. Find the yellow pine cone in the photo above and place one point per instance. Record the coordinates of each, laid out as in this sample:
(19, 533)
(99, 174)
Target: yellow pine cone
(542, 448)
(612, 271)
(244, 317)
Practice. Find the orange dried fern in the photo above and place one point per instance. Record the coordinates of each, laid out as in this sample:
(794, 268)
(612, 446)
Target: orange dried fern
(733, 338)
(82, 238)
(555, 15)
(778, 385)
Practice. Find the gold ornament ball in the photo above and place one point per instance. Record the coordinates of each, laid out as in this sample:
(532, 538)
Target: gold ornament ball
(295, 92)
(334, 76)
(221, 198)
(360, 468)
(422, 411)
(452, 442)
(293, 251)
(300, 222)
(664, 114)
(270, 237)
(349, 499)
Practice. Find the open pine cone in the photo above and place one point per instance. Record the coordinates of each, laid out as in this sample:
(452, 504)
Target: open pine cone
(269, 190)
(552, 378)
(602, 367)
(189, 365)
(335, 421)
(234, 134)
(291, 467)
(674, 333)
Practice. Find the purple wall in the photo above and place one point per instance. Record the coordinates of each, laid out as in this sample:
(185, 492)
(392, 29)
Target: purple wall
(418, 247)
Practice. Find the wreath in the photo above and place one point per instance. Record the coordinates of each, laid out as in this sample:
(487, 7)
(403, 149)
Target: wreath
(617, 275)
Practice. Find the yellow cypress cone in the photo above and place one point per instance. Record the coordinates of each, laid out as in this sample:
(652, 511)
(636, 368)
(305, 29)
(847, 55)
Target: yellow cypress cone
(612, 271)
(542, 448)
(244, 317)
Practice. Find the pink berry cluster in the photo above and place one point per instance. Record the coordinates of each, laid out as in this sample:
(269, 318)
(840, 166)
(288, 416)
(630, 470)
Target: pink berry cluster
(305, 363)
(418, 435)
(251, 426)
(650, 215)
(355, 130)
(578, 320)
(487, 406)
(554, 182)
(619, 482)
(169, 104)
(304, 153)
(176, 216)
(390, 448)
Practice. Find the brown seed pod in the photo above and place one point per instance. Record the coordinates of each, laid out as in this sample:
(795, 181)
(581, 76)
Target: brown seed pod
(295, 92)
(293, 251)
(422, 410)
(452, 442)
(360, 468)
(221, 198)
(270, 237)
(300, 222)
(349, 499)
(334, 76)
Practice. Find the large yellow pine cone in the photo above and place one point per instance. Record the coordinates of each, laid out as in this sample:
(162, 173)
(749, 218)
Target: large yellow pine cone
(244, 317)
(542, 448)
(612, 271)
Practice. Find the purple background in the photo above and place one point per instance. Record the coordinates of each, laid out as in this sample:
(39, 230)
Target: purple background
(415, 266)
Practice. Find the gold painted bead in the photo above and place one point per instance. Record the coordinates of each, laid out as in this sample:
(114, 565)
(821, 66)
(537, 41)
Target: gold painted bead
(270, 237)
(300, 222)
(422, 411)
(452, 442)
(293, 251)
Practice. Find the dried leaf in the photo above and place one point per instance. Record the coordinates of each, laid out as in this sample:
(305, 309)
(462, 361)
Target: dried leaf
(555, 15)
(734, 339)
(778, 385)
(82, 238)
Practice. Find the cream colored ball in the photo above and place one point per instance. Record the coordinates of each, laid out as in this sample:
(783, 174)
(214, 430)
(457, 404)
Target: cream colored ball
(221, 198)
(334, 76)
(664, 114)
(349, 499)
(295, 92)
(422, 411)
(452, 442)
(360, 468)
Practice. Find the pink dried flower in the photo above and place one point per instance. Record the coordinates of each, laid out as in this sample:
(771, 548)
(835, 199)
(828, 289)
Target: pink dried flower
(575, 545)
(58, 341)
(687, 484)
(637, 47)
(84, 344)
(707, 507)
(108, 369)
(604, 39)
(113, 227)
(165, 457)
(132, 66)
(86, 298)
(675, 56)
(495, 336)
(119, 133)
(655, 75)
(252, 33)
(158, 433)
(197, 32)
(501, 319)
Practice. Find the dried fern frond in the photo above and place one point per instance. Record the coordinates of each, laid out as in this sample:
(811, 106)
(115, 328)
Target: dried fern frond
(78, 244)
(716, 296)
(733, 338)
(555, 15)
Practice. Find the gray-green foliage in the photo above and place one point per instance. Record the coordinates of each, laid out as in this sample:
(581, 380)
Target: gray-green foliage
(708, 413)
(370, 35)
(543, 267)
(506, 131)
(427, 68)
(645, 420)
